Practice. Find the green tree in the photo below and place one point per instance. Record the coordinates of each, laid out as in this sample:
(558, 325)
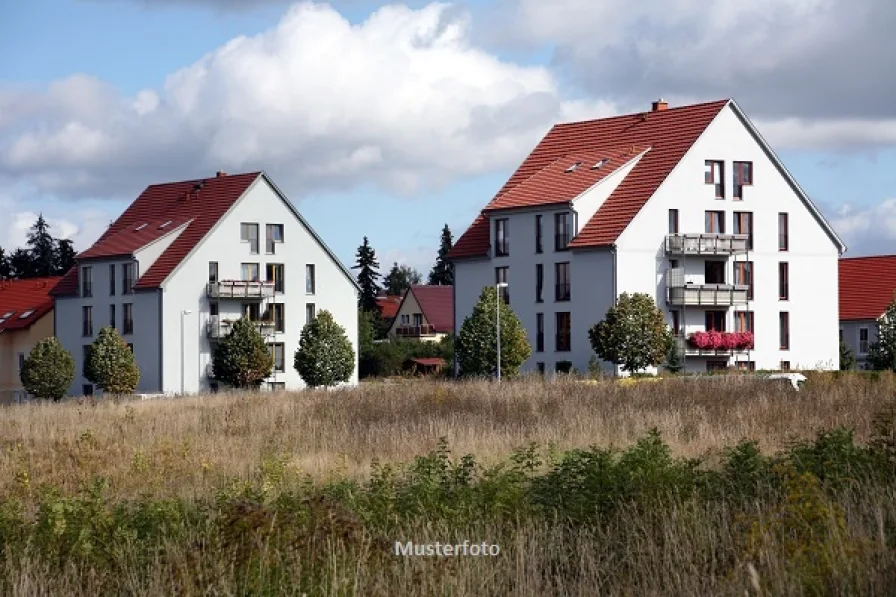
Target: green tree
(325, 356)
(111, 365)
(65, 256)
(674, 360)
(368, 274)
(847, 358)
(49, 370)
(633, 333)
(882, 353)
(42, 247)
(442, 272)
(242, 359)
(5, 267)
(22, 264)
(400, 278)
(477, 340)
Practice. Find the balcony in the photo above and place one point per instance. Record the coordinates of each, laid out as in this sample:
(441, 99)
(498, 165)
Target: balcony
(716, 343)
(415, 331)
(681, 293)
(240, 289)
(218, 327)
(709, 243)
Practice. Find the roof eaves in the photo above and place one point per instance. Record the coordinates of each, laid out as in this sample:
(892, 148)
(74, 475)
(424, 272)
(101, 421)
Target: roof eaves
(404, 297)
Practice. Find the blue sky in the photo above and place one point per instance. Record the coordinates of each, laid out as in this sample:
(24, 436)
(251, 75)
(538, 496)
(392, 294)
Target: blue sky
(411, 116)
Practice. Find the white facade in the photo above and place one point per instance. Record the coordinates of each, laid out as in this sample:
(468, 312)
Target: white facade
(175, 359)
(639, 262)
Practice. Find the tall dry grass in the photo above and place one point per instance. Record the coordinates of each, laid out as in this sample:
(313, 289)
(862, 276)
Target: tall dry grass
(182, 447)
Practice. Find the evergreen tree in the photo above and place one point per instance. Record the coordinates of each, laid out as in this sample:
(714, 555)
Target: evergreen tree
(5, 267)
(633, 333)
(65, 256)
(882, 354)
(400, 278)
(477, 340)
(325, 356)
(847, 359)
(443, 271)
(42, 248)
(368, 273)
(22, 264)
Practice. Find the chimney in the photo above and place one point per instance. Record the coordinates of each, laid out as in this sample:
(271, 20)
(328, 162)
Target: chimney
(220, 174)
(659, 105)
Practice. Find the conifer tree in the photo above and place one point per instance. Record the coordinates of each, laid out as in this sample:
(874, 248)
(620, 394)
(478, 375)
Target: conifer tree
(368, 274)
(443, 271)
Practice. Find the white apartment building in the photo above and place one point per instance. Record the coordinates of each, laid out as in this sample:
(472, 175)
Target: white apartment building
(689, 205)
(185, 261)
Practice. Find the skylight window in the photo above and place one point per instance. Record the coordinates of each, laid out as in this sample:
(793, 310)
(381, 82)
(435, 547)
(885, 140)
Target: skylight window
(599, 163)
(140, 227)
(573, 167)
(7, 315)
(26, 314)
(165, 224)
(2, 320)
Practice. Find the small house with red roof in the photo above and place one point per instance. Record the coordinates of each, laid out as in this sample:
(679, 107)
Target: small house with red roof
(688, 204)
(867, 287)
(184, 262)
(26, 318)
(426, 313)
(388, 305)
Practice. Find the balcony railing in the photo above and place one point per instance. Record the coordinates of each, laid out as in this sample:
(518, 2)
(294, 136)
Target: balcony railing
(415, 331)
(218, 327)
(240, 289)
(709, 295)
(709, 243)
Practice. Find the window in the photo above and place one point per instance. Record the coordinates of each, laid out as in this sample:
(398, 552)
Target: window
(502, 240)
(676, 323)
(278, 312)
(86, 281)
(561, 231)
(563, 367)
(673, 221)
(715, 222)
(539, 283)
(86, 352)
(128, 278)
(743, 176)
(502, 275)
(743, 321)
(213, 308)
(784, 324)
(715, 175)
(252, 311)
(112, 316)
(746, 365)
(87, 389)
(563, 332)
(418, 319)
(539, 332)
(87, 321)
(309, 315)
(743, 224)
(273, 235)
(249, 234)
(26, 314)
(783, 240)
(405, 319)
(310, 282)
(128, 316)
(540, 368)
(715, 321)
(278, 352)
(561, 277)
(212, 271)
(274, 273)
(21, 362)
(713, 272)
(783, 281)
(785, 365)
(111, 279)
(841, 334)
(743, 275)
(863, 340)
(277, 386)
(538, 244)
(249, 272)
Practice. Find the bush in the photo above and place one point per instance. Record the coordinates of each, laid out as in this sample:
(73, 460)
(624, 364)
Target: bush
(242, 359)
(633, 333)
(49, 370)
(477, 344)
(325, 356)
(111, 365)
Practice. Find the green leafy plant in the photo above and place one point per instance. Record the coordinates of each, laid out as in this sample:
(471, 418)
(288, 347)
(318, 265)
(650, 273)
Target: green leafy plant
(477, 344)
(633, 333)
(49, 370)
(325, 356)
(882, 354)
(242, 359)
(847, 358)
(111, 365)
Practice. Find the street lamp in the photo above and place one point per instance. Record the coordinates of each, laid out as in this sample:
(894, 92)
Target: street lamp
(183, 314)
(498, 288)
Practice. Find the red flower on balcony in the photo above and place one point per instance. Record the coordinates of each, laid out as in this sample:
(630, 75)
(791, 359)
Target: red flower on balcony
(713, 340)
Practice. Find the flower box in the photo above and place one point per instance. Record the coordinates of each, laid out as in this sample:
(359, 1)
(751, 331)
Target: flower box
(713, 340)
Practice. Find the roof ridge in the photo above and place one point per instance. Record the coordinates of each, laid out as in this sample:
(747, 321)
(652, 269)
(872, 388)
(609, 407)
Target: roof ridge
(669, 110)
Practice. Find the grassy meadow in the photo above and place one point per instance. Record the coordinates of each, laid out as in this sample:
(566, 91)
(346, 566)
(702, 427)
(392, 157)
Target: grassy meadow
(725, 487)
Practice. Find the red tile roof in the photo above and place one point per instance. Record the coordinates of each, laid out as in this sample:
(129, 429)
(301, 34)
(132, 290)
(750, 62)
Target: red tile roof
(669, 134)
(176, 201)
(18, 297)
(866, 286)
(388, 305)
(437, 304)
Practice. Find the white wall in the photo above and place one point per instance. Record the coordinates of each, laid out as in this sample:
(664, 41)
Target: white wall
(812, 255)
(186, 288)
(587, 204)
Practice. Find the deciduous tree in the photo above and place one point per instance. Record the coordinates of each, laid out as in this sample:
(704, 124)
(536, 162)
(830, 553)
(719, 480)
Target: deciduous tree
(49, 370)
(400, 278)
(111, 365)
(477, 342)
(325, 356)
(633, 333)
(242, 359)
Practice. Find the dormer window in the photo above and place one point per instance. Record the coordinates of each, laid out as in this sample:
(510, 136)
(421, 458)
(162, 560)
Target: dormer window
(165, 224)
(7, 315)
(573, 167)
(26, 314)
(599, 163)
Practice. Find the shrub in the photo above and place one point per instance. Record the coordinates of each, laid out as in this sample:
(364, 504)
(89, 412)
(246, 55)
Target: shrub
(111, 365)
(325, 356)
(633, 333)
(49, 370)
(242, 359)
(477, 340)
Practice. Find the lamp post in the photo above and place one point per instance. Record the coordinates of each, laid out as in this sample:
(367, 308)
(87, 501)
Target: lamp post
(183, 314)
(498, 287)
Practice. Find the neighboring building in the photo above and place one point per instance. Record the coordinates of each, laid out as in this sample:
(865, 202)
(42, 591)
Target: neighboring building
(689, 205)
(388, 304)
(26, 318)
(426, 313)
(184, 261)
(867, 286)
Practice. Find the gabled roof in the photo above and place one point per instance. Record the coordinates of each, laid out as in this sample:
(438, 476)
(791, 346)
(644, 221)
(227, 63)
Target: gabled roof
(388, 305)
(196, 204)
(866, 285)
(436, 303)
(669, 134)
(23, 302)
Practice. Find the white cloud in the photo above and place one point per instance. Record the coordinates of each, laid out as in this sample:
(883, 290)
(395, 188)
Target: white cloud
(867, 230)
(403, 100)
(83, 225)
(420, 258)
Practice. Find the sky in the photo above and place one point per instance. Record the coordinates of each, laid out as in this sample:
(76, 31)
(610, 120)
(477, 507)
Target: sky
(391, 121)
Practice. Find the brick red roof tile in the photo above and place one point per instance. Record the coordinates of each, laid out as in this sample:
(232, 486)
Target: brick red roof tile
(18, 297)
(669, 134)
(388, 305)
(177, 201)
(866, 286)
(128, 240)
(437, 304)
